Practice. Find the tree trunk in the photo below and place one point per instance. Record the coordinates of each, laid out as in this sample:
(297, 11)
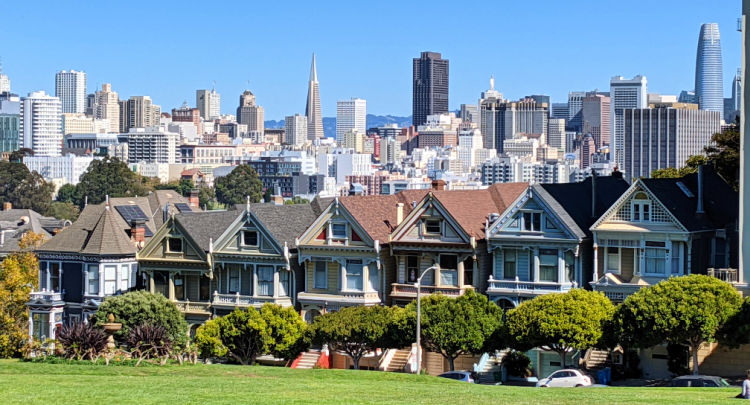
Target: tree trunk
(355, 359)
(450, 363)
(694, 348)
(562, 357)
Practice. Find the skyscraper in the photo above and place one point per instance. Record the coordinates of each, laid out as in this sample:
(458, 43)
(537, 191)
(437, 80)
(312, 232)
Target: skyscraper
(491, 119)
(350, 115)
(139, 112)
(295, 128)
(312, 108)
(106, 106)
(249, 113)
(41, 124)
(10, 122)
(595, 117)
(430, 87)
(4, 81)
(208, 103)
(708, 75)
(70, 88)
(624, 93)
(575, 104)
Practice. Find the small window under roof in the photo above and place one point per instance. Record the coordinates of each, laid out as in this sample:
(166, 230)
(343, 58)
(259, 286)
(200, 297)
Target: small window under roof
(685, 190)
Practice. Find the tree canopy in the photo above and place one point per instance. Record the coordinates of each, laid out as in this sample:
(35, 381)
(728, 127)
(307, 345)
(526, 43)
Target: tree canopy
(559, 322)
(183, 186)
(691, 166)
(243, 335)
(456, 326)
(24, 189)
(64, 210)
(686, 310)
(724, 154)
(109, 176)
(286, 329)
(235, 187)
(67, 193)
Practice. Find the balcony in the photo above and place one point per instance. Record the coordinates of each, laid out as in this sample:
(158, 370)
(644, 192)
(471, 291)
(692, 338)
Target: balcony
(525, 288)
(242, 301)
(342, 298)
(410, 290)
(45, 297)
(728, 275)
(190, 307)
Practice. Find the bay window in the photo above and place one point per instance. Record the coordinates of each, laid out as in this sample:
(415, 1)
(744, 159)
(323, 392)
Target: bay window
(110, 279)
(570, 266)
(354, 275)
(320, 276)
(449, 270)
(655, 260)
(265, 281)
(548, 266)
(613, 260)
(373, 278)
(40, 321)
(509, 264)
(54, 276)
(92, 279)
(284, 282)
(124, 277)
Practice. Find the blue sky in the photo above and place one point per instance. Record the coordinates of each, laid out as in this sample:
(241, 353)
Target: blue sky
(169, 49)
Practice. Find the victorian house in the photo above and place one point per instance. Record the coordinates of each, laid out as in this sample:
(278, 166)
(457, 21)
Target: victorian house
(541, 243)
(210, 263)
(662, 228)
(94, 258)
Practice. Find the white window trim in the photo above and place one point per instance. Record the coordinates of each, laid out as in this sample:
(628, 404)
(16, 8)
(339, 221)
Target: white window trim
(257, 238)
(619, 260)
(667, 263)
(325, 279)
(182, 244)
(345, 284)
(522, 220)
(637, 205)
(332, 238)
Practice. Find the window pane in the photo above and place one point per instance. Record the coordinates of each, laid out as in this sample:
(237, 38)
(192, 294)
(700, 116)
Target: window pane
(354, 275)
(412, 269)
(548, 265)
(509, 264)
(179, 287)
(536, 220)
(321, 274)
(41, 326)
(373, 279)
(265, 281)
(449, 262)
(124, 277)
(92, 275)
(54, 276)
(42, 276)
(527, 221)
(110, 279)
(449, 277)
(175, 244)
(250, 238)
(284, 283)
(432, 226)
(338, 231)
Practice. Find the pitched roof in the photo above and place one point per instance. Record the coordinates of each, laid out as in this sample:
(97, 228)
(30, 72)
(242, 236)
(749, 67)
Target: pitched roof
(106, 238)
(285, 222)
(205, 226)
(73, 238)
(376, 214)
(14, 223)
(575, 199)
(720, 201)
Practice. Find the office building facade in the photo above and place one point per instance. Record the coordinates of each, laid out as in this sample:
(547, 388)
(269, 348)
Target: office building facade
(709, 87)
(41, 124)
(295, 129)
(350, 115)
(70, 88)
(430, 86)
(208, 103)
(250, 114)
(595, 118)
(624, 93)
(106, 106)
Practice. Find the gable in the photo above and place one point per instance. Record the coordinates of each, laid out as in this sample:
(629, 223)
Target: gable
(530, 215)
(246, 235)
(335, 227)
(429, 221)
(639, 206)
(161, 248)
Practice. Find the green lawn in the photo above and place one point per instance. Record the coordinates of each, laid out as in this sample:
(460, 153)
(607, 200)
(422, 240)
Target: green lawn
(37, 383)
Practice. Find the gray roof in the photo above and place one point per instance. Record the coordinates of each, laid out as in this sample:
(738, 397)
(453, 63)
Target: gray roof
(14, 223)
(558, 209)
(203, 227)
(285, 222)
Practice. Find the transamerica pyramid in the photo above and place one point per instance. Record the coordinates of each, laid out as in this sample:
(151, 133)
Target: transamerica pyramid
(312, 109)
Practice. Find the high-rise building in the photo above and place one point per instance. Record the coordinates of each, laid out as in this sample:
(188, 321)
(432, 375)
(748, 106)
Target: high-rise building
(208, 103)
(624, 93)
(350, 115)
(106, 106)
(70, 88)
(10, 122)
(595, 118)
(559, 110)
(41, 124)
(556, 133)
(708, 70)
(4, 81)
(733, 104)
(153, 145)
(390, 150)
(90, 104)
(139, 112)
(312, 108)
(575, 104)
(187, 114)
(503, 120)
(469, 113)
(295, 129)
(659, 138)
(250, 114)
(491, 119)
(430, 87)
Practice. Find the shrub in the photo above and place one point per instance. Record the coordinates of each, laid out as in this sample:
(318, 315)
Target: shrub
(517, 363)
(140, 308)
(287, 331)
(244, 334)
(208, 340)
(150, 341)
(82, 340)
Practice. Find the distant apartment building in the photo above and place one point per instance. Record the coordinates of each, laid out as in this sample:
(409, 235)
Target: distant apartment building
(67, 169)
(187, 114)
(81, 124)
(152, 145)
(659, 138)
(342, 162)
(353, 139)
(295, 129)
(106, 106)
(556, 133)
(429, 86)
(139, 112)
(10, 122)
(41, 124)
(208, 103)
(624, 93)
(350, 115)
(469, 113)
(250, 114)
(504, 120)
(558, 110)
(390, 150)
(70, 88)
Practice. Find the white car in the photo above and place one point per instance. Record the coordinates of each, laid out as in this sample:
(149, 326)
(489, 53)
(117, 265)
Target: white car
(566, 378)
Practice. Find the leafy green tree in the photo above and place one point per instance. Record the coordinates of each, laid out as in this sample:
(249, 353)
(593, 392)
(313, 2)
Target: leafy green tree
(691, 166)
(142, 307)
(234, 188)
(355, 330)
(208, 339)
(736, 331)
(687, 310)
(24, 189)
(244, 334)
(64, 210)
(67, 193)
(183, 186)
(110, 176)
(296, 200)
(267, 195)
(286, 329)
(456, 326)
(17, 156)
(206, 196)
(559, 322)
(724, 154)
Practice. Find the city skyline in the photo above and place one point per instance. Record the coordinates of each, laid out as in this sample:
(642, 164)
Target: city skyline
(280, 68)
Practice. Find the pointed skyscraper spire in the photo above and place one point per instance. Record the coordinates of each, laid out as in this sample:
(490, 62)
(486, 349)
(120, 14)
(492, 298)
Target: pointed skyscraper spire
(312, 109)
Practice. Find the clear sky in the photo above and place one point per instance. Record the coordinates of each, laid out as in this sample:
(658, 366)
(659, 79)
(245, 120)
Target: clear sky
(168, 49)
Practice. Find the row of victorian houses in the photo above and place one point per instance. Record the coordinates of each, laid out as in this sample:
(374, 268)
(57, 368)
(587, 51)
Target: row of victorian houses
(511, 241)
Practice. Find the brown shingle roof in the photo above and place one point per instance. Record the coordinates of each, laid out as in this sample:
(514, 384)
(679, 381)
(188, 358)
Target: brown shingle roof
(377, 213)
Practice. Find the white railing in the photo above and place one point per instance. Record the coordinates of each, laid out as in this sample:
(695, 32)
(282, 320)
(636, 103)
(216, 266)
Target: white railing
(238, 300)
(192, 307)
(410, 289)
(528, 286)
(48, 296)
(728, 275)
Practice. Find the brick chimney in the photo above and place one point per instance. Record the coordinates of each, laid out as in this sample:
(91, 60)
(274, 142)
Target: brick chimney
(138, 231)
(193, 199)
(438, 185)
(277, 198)
(7, 206)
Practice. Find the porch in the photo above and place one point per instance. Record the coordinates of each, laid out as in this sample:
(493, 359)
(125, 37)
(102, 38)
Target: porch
(525, 288)
(409, 291)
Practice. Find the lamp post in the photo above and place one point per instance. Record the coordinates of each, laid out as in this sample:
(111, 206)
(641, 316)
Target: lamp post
(419, 316)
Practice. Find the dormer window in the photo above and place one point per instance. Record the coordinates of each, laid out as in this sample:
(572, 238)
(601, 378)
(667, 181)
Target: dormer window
(174, 245)
(532, 221)
(338, 231)
(432, 226)
(641, 208)
(249, 238)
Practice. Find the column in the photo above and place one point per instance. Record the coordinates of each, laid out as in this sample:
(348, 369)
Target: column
(668, 256)
(342, 278)
(535, 268)
(366, 275)
(689, 256)
(171, 286)
(460, 273)
(151, 286)
(596, 263)
(255, 280)
(560, 266)
(642, 255)
(475, 273)
(276, 285)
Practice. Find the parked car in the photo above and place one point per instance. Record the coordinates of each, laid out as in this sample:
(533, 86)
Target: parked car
(465, 376)
(699, 381)
(566, 378)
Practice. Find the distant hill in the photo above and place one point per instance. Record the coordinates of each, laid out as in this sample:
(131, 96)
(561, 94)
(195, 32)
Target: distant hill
(329, 123)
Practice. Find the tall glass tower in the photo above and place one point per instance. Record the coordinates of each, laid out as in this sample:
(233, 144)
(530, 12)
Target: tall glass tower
(708, 76)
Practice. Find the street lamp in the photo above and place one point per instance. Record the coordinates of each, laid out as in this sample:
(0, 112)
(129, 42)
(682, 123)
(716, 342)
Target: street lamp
(419, 315)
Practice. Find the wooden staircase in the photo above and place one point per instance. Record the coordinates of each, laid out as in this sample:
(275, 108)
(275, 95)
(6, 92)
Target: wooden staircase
(398, 361)
(308, 359)
(596, 359)
(492, 367)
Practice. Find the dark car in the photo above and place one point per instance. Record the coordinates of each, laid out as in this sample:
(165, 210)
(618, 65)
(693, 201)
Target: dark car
(699, 381)
(465, 376)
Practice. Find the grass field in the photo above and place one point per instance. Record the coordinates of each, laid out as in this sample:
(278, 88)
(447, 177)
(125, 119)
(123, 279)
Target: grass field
(39, 383)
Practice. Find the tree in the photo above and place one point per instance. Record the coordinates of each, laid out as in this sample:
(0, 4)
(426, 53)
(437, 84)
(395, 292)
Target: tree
(142, 307)
(456, 326)
(559, 322)
(208, 339)
(691, 166)
(686, 310)
(67, 193)
(234, 188)
(206, 196)
(355, 330)
(109, 177)
(296, 200)
(17, 156)
(183, 186)
(19, 274)
(724, 154)
(286, 329)
(736, 331)
(24, 189)
(244, 334)
(64, 210)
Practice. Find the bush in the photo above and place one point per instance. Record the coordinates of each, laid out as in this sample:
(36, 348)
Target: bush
(517, 363)
(244, 334)
(208, 340)
(150, 341)
(82, 340)
(287, 330)
(140, 308)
